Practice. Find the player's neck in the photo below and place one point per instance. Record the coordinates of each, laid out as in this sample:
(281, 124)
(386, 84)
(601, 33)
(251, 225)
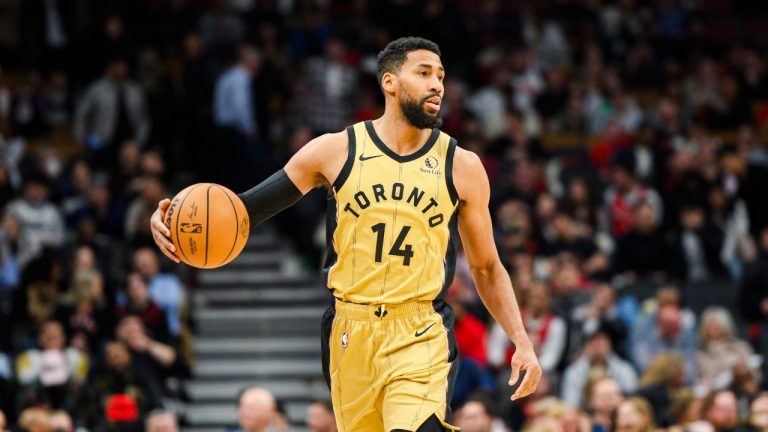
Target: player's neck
(400, 135)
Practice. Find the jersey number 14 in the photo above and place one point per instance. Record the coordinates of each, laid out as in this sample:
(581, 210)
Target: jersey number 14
(397, 248)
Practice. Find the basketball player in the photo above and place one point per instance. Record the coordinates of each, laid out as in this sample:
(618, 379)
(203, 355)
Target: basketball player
(400, 194)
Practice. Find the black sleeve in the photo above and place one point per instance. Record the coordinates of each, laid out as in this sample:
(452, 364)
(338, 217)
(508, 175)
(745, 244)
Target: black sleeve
(270, 197)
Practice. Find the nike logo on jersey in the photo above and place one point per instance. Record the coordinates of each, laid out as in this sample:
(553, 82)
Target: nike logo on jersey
(364, 158)
(419, 333)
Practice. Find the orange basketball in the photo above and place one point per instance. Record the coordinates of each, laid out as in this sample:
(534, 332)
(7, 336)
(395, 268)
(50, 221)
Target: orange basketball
(209, 225)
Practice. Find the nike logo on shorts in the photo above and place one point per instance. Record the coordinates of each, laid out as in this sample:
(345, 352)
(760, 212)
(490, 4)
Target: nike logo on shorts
(419, 333)
(364, 158)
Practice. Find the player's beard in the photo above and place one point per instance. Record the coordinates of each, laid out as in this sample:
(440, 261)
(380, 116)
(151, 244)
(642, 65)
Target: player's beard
(413, 110)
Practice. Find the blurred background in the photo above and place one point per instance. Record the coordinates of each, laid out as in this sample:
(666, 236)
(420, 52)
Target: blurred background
(624, 141)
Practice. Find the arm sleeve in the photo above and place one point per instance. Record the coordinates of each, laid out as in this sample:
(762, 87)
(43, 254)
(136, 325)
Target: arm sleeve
(270, 197)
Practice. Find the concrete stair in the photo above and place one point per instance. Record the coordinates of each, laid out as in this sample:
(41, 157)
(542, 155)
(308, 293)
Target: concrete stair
(258, 324)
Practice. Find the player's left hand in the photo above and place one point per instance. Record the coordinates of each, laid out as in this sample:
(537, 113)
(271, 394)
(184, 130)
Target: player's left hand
(525, 359)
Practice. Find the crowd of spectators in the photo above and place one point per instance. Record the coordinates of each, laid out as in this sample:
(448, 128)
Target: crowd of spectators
(624, 142)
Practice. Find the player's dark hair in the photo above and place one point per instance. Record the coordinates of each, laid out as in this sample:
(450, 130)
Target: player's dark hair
(392, 57)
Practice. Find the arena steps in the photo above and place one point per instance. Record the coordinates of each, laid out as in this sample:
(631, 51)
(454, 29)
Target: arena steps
(263, 297)
(257, 347)
(225, 414)
(257, 323)
(287, 391)
(250, 368)
(272, 321)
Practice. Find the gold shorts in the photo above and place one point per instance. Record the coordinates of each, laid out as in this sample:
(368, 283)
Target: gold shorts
(389, 366)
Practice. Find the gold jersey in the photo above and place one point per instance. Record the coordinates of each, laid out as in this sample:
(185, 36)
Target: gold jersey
(391, 222)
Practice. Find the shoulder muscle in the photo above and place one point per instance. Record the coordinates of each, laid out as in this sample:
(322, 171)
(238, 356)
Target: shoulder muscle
(469, 178)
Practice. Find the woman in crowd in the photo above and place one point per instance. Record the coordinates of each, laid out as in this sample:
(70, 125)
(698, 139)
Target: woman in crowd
(720, 350)
(634, 415)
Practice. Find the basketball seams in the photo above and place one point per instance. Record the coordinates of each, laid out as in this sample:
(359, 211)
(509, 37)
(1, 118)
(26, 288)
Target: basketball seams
(207, 221)
(237, 225)
(176, 229)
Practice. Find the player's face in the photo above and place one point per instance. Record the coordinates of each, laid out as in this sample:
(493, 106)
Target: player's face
(421, 89)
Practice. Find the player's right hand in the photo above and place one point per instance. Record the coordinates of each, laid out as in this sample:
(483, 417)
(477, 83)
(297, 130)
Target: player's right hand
(160, 233)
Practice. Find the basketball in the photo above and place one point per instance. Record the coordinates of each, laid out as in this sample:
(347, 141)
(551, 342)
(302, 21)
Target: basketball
(209, 225)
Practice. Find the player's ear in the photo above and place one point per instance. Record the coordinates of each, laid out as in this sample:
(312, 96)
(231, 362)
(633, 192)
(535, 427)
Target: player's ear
(389, 82)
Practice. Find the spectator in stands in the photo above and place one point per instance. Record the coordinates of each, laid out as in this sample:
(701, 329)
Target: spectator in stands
(685, 409)
(8, 187)
(41, 282)
(152, 190)
(625, 194)
(745, 386)
(478, 415)
(743, 180)
(139, 304)
(28, 107)
(758, 413)
(161, 421)
(720, 410)
(471, 333)
(121, 375)
(546, 330)
(104, 210)
(58, 100)
(13, 253)
(83, 310)
(698, 246)
(72, 190)
(634, 415)
(640, 254)
(471, 338)
(53, 374)
(580, 202)
(280, 422)
(720, 349)
(605, 398)
(7, 406)
(256, 410)
(5, 106)
(320, 416)
(234, 116)
(125, 181)
(513, 227)
(165, 289)
(663, 378)
(112, 110)
(148, 354)
(600, 312)
(596, 361)
(569, 285)
(327, 87)
(645, 320)
(61, 421)
(489, 103)
(567, 236)
(41, 221)
(667, 336)
(34, 419)
(753, 294)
